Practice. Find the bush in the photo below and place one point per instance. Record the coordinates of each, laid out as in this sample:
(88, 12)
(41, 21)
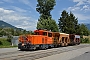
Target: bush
(9, 38)
(85, 40)
(0, 43)
(4, 42)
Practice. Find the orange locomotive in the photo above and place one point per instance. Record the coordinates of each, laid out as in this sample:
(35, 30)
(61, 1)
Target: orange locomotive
(43, 39)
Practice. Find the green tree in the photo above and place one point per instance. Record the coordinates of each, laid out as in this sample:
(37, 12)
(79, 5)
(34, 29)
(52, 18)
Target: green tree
(68, 23)
(62, 21)
(45, 21)
(44, 7)
(30, 32)
(48, 24)
(2, 33)
(54, 26)
(9, 37)
(84, 30)
(12, 31)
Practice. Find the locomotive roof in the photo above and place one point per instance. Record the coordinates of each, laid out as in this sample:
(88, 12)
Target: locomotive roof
(42, 31)
(51, 32)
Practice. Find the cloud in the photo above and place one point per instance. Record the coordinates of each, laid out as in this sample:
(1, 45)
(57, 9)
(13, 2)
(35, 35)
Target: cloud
(86, 8)
(27, 2)
(88, 1)
(81, 2)
(82, 16)
(18, 9)
(26, 25)
(20, 21)
(73, 8)
(1, 2)
(6, 11)
(9, 1)
(81, 9)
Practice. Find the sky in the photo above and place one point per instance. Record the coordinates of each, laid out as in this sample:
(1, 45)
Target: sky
(23, 14)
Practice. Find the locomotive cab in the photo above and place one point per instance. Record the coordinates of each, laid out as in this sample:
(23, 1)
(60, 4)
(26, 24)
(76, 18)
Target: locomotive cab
(41, 39)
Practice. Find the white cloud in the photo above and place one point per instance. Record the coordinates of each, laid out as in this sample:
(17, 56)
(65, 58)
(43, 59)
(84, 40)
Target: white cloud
(9, 1)
(27, 2)
(26, 25)
(81, 10)
(1, 2)
(82, 16)
(18, 9)
(88, 1)
(6, 11)
(81, 6)
(17, 20)
(81, 2)
(86, 8)
(73, 8)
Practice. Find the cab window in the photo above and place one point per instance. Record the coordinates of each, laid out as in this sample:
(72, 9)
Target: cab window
(49, 34)
(45, 33)
(36, 33)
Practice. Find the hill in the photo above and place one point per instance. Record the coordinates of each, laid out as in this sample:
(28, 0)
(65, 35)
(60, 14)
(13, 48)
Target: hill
(88, 26)
(6, 25)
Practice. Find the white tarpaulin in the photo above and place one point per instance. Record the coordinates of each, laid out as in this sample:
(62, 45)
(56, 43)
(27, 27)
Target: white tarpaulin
(77, 36)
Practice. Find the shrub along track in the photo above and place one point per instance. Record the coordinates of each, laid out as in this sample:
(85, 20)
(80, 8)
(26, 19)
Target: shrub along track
(32, 55)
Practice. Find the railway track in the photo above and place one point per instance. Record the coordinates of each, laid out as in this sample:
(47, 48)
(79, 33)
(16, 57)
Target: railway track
(14, 52)
(32, 55)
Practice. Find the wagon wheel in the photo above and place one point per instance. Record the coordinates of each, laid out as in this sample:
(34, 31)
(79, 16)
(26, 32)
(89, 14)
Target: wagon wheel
(62, 44)
(66, 44)
(34, 48)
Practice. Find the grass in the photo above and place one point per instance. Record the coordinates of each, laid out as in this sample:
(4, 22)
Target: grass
(86, 39)
(7, 46)
(4, 43)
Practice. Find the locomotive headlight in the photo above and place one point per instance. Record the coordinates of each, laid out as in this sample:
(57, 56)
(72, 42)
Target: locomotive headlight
(22, 44)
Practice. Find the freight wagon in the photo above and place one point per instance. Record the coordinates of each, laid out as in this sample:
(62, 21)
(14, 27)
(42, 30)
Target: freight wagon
(74, 39)
(44, 39)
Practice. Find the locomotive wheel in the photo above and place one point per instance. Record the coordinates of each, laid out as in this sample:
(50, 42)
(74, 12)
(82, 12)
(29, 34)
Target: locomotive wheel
(43, 47)
(21, 49)
(34, 48)
(47, 46)
(55, 46)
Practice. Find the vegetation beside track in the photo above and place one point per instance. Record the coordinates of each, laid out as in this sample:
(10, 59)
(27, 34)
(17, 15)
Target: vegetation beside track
(4, 43)
(85, 39)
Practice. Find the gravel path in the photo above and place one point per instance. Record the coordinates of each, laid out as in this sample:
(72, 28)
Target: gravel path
(61, 53)
(85, 56)
(5, 50)
(68, 55)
